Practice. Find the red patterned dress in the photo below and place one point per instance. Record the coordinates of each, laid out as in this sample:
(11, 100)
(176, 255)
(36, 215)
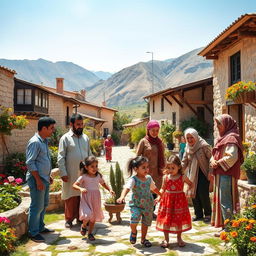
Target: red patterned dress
(173, 214)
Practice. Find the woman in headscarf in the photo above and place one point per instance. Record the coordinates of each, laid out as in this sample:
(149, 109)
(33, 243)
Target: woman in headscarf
(108, 148)
(226, 161)
(152, 147)
(196, 160)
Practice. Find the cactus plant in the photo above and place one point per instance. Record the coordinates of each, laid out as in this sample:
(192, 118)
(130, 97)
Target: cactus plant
(116, 180)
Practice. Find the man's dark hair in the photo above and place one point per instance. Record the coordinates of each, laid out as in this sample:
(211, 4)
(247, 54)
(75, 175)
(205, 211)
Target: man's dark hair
(45, 121)
(75, 117)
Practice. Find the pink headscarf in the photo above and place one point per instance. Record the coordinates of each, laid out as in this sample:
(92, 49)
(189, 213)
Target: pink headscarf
(152, 124)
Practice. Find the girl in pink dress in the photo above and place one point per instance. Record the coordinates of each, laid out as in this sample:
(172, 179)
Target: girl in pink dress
(90, 202)
(173, 214)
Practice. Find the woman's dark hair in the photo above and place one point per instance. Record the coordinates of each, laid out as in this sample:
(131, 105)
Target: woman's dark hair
(45, 121)
(135, 163)
(173, 159)
(88, 161)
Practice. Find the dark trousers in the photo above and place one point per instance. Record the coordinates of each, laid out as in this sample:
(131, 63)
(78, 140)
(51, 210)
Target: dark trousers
(72, 208)
(201, 203)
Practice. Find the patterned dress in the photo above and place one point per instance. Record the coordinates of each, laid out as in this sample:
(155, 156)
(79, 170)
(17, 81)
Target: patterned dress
(173, 214)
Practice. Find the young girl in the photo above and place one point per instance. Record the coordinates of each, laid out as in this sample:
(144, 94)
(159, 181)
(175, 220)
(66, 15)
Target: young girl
(173, 214)
(90, 203)
(142, 202)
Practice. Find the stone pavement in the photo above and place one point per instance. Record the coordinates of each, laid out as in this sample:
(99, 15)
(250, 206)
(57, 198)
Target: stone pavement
(113, 239)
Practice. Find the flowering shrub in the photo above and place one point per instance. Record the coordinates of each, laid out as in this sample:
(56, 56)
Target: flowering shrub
(15, 165)
(9, 121)
(54, 156)
(7, 236)
(233, 91)
(56, 185)
(240, 232)
(250, 162)
(9, 192)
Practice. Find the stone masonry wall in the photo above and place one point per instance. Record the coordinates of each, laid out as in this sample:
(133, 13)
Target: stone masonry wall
(221, 76)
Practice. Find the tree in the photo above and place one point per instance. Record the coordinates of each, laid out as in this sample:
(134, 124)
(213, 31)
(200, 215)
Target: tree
(119, 120)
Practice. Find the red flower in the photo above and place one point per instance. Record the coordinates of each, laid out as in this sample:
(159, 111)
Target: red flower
(2, 175)
(11, 124)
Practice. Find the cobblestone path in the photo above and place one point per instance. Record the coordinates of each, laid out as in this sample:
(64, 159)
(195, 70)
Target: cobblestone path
(113, 239)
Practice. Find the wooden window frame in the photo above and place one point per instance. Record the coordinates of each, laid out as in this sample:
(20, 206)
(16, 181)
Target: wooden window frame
(235, 68)
(162, 104)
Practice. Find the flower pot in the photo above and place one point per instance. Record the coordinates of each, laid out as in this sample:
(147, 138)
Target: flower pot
(114, 208)
(243, 175)
(251, 175)
(245, 97)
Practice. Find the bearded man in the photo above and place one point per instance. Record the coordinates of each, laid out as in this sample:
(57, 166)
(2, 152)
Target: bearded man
(74, 147)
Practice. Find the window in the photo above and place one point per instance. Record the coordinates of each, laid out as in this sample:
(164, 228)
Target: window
(200, 113)
(67, 116)
(235, 68)
(162, 105)
(153, 106)
(24, 96)
(174, 118)
(105, 132)
(41, 99)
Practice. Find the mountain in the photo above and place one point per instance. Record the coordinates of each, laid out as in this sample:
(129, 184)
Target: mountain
(44, 71)
(129, 85)
(102, 75)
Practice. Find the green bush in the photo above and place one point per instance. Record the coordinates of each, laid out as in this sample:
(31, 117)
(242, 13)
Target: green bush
(198, 125)
(166, 132)
(115, 137)
(15, 165)
(137, 134)
(55, 138)
(7, 236)
(54, 156)
(250, 163)
(96, 146)
(120, 120)
(56, 185)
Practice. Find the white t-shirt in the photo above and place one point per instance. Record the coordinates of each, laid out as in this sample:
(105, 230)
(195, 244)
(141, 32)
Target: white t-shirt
(131, 182)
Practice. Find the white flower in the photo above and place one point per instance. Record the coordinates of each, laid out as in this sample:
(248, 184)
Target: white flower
(6, 183)
(11, 178)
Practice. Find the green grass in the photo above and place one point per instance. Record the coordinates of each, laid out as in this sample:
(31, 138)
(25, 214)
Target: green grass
(211, 241)
(53, 217)
(135, 110)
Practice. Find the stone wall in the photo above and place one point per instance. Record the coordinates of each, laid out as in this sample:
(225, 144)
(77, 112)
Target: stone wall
(19, 217)
(245, 190)
(221, 81)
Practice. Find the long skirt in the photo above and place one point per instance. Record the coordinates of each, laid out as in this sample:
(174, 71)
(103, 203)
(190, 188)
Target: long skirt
(108, 153)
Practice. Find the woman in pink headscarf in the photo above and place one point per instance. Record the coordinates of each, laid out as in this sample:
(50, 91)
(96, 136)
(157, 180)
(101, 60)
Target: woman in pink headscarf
(226, 161)
(151, 146)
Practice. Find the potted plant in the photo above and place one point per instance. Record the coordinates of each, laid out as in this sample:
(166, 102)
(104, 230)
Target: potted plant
(177, 135)
(166, 132)
(240, 231)
(116, 182)
(249, 166)
(241, 92)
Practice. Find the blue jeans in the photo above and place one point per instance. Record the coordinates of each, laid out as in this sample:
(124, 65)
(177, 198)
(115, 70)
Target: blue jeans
(39, 202)
(226, 196)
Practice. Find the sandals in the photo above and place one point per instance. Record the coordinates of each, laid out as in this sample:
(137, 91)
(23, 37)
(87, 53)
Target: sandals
(164, 244)
(146, 243)
(91, 237)
(133, 238)
(83, 231)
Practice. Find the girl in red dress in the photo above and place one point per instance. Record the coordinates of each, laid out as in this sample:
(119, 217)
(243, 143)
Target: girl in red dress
(173, 214)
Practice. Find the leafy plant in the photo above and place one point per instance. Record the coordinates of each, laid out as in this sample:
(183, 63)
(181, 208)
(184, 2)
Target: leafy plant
(15, 165)
(54, 156)
(96, 146)
(137, 134)
(55, 138)
(167, 131)
(116, 182)
(7, 236)
(9, 193)
(120, 120)
(200, 126)
(177, 134)
(233, 91)
(56, 185)
(250, 162)
(116, 137)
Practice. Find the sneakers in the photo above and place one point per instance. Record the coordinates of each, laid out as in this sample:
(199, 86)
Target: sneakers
(68, 224)
(37, 238)
(47, 230)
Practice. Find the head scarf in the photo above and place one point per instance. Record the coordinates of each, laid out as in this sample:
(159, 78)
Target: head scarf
(230, 135)
(158, 142)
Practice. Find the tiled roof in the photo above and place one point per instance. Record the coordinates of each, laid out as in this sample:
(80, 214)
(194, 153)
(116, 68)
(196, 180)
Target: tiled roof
(92, 117)
(8, 69)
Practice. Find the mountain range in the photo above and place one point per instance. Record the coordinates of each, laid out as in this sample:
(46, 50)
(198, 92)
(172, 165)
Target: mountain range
(128, 86)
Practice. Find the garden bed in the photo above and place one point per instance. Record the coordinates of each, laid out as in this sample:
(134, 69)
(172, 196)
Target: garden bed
(19, 217)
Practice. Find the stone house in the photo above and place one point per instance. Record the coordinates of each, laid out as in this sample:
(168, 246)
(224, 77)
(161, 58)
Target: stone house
(234, 57)
(178, 103)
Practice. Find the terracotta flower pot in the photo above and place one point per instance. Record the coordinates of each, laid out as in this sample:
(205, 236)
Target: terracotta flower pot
(114, 208)
(245, 97)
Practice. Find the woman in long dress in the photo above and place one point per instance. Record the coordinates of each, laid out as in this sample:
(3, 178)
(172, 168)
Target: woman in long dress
(108, 148)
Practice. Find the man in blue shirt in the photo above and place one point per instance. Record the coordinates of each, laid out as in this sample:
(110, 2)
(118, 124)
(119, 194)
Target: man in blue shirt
(38, 162)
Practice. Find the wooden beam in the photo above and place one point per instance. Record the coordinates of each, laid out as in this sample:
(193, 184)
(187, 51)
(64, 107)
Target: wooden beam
(199, 102)
(167, 100)
(247, 33)
(189, 106)
(253, 104)
(177, 101)
(209, 109)
(203, 91)
(212, 57)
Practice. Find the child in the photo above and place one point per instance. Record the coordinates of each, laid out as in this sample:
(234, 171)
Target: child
(142, 202)
(182, 147)
(173, 214)
(90, 203)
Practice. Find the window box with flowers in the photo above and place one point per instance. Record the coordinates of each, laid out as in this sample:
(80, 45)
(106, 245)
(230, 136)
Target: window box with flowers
(242, 92)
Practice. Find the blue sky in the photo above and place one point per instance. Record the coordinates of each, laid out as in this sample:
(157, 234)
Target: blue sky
(109, 35)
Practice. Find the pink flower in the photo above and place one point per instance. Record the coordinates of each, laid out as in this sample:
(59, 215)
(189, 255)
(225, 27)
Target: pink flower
(11, 178)
(4, 219)
(18, 180)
